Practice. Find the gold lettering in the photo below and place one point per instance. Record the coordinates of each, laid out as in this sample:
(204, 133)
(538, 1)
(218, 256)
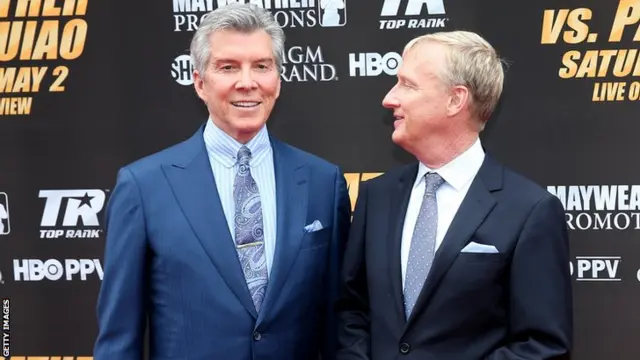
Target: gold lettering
(74, 37)
(34, 8)
(15, 106)
(61, 72)
(580, 28)
(50, 9)
(9, 39)
(569, 61)
(624, 62)
(24, 79)
(4, 8)
(7, 78)
(82, 7)
(28, 40)
(47, 42)
(628, 13)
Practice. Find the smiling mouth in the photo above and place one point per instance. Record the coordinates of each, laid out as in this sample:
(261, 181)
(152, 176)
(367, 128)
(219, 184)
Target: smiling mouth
(246, 104)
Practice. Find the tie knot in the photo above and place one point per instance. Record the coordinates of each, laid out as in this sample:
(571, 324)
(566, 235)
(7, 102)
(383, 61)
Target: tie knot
(244, 154)
(434, 180)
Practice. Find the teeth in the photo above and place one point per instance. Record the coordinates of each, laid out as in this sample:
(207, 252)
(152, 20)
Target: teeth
(246, 103)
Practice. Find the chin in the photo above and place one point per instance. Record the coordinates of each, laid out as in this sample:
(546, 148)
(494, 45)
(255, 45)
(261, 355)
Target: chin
(397, 137)
(249, 123)
(402, 141)
(249, 127)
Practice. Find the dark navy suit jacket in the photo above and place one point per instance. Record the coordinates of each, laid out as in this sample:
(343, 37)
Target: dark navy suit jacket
(515, 304)
(170, 260)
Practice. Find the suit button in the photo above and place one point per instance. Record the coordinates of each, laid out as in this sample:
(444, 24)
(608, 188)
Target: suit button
(257, 336)
(404, 348)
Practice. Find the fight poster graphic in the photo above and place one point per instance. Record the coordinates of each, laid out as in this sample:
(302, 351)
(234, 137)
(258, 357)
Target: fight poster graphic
(608, 60)
(39, 40)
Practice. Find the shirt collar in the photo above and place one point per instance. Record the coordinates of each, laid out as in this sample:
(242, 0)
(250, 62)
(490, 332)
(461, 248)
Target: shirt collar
(459, 171)
(224, 148)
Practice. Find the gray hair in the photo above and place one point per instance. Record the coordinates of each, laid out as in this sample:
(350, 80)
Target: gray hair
(244, 18)
(471, 62)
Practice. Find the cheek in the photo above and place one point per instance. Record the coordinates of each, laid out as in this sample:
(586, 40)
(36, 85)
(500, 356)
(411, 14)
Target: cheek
(413, 108)
(268, 85)
(218, 94)
(219, 87)
(417, 116)
(424, 107)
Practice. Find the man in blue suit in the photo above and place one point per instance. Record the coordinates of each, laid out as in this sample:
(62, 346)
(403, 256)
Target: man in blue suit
(229, 243)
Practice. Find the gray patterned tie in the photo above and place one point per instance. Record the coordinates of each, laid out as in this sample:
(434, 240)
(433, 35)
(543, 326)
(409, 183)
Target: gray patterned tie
(422, 249)
(249, 229)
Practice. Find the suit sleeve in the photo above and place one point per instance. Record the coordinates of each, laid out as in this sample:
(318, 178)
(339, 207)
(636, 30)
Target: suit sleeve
(120, 308)
(342, 222)
(353, 307)
(540, 304)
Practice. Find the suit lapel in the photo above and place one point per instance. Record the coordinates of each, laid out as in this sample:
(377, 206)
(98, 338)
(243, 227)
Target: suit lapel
(291, 176)
(195, 189)
(399, 200)
(475, 207)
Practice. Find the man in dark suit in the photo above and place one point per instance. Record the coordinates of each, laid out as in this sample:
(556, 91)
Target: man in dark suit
(229, 243)
(454, 257)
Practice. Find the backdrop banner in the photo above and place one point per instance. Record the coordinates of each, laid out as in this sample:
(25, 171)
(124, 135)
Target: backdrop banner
(88, 86)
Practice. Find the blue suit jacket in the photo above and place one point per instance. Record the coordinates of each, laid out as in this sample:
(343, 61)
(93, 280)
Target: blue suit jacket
(170, 260)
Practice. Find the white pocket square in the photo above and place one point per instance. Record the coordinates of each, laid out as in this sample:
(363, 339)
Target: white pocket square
(314, 226)
(474, 247)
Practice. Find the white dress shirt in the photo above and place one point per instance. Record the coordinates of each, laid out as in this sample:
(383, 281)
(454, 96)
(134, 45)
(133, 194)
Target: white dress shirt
(223, 150)
(458, 175)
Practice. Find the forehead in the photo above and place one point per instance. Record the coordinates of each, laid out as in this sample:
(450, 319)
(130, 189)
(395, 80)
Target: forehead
(424, 60)
(230, 43)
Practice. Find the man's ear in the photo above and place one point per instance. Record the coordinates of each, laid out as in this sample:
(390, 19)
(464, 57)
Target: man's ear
(459, 98)
(198, 84)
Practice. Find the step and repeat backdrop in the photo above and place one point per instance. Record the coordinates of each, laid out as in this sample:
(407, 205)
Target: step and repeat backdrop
(87, 86)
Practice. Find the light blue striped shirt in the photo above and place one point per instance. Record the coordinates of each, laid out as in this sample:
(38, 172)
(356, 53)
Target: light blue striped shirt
(223, 151)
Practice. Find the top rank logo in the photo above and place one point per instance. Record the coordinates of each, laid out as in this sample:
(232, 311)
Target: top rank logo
(288, 13)
(71, 213)
(412, 15)
(5, 227)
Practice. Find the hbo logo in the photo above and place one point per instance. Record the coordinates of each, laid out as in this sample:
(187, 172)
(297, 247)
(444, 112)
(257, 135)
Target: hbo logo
(53, 270)
(374, 64)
